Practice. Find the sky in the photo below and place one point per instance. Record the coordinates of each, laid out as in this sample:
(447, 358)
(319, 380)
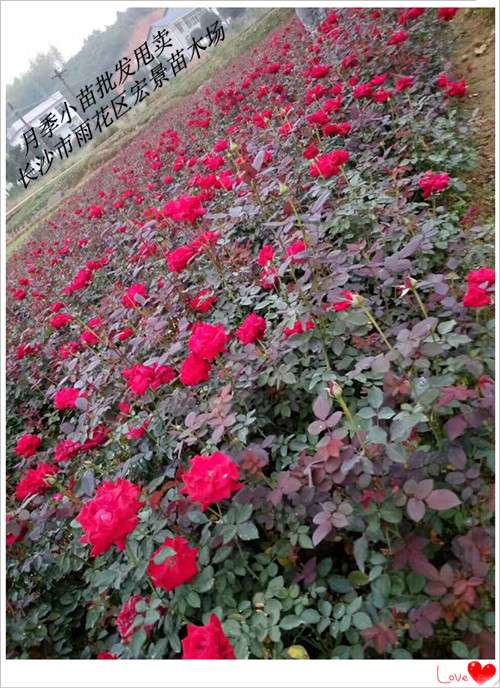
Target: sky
(31, 27)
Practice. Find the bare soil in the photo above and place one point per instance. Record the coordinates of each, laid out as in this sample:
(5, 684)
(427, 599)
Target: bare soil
(473, 59)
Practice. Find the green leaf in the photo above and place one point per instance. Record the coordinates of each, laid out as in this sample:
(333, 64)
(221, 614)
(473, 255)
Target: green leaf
(193, 599)
(204, 581)
(248, 531)
(289, 622)
(460, 649)
(243, 512)
(305, 541)
(362, 621)
(390, 513)
(357, 578)
(310, 616)
(360, 551)
(138, 640)
(375, 397)
(151, 617)
(221, 554)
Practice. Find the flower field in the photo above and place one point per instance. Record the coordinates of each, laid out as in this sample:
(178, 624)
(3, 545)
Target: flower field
(250, 394)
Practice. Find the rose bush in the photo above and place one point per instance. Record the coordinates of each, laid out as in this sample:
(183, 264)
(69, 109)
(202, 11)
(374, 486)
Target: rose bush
(250, 378)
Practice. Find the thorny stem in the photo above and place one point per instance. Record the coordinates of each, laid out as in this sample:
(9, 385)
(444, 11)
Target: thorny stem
(377, 327)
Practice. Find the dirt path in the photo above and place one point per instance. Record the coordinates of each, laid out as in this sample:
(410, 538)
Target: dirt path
(474, 60)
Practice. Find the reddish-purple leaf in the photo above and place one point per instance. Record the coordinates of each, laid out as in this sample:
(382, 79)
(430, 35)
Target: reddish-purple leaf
(442, 500)
(322, 407)
(415, 509)
(321, 532)
(455, 427)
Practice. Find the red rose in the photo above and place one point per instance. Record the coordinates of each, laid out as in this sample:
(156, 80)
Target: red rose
(294, 249)
(211, 478)
(347, 303)
(126, 617)
(110, 516)
(403, 83)
(179, 258)
(178, 568)
(106, 655)
(456, 88)
(251, 329)
(266, 254)
(328, 164)
(194, 370)
(203, 301)
(484, 276)
(207, 642)
(142, 377)
(60, 320)
(398, 37)
(66, 450)
(310, 152)
(34, 480)
(207, 341)
(447, 13)
(184, 208)
(66, 398)
(476, 297)
(433, 182)
(129, 299)
(27, 445)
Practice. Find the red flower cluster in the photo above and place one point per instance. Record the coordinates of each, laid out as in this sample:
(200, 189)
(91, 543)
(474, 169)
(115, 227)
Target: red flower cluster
(211, 478)
(66, 398)
(251, 329)
(110, 516)
(27, 445)
(142, 377)
(178, 568)
(184, 209)
(329, 164)
(34, 480)
(479, 283)
(207, 642)
(433, 182)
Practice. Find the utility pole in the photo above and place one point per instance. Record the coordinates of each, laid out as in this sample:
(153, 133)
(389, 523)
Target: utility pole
(58, 74)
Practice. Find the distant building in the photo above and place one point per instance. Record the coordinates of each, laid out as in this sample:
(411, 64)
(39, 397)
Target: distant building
(53, 104)
(180, 22)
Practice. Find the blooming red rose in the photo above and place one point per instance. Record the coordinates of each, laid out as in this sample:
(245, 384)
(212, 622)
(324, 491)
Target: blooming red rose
(251, 329)
(447, 13)
(310, 152)
(483, 276)
(143, 377)
(129, 299)
(110, 516)
(106, 655)
(457, 89)
(125, 618)
(266, 254)
(178, 568)
(179, 258)
(207, 642)
(184, 208)
(66, 450)
(34, 480)
(433, 182)
(60, 320)
(207, 341)
(329, 164)
(194, 370)
(27, 445)
(66, 398)
(203, 302)
(211, 478)
(476, 297)
(296, 248)
(403, 83)
(398, 37)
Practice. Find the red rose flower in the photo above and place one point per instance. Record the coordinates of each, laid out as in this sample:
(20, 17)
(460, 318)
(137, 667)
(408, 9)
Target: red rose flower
(34, 480)
(483, 276)
(266, 254)
(143, 377)
(129, 299)
(433, 182)
(60, 320)
(106, 655)
(347, 303)
(211, 478)
(294, 249)
(207, 341)
(125, 618)
(329, 164)
(66, 398)
(194, 370)
(476, 297)
(203, 301)
(110, 516)
(447, 13)
(398, 37)
(179, 258)
(207, 642)
(27, 445)
(251, 329)
(185, 208)
(66, 450)
(178, 568)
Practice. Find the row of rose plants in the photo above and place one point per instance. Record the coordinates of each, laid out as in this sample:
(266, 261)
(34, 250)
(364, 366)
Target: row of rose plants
(250, 370)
